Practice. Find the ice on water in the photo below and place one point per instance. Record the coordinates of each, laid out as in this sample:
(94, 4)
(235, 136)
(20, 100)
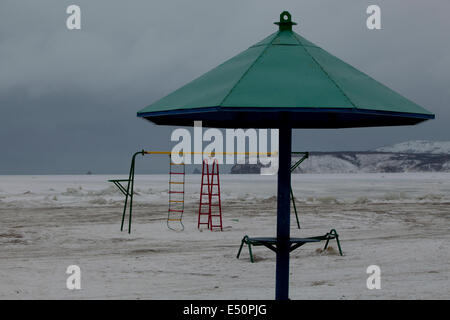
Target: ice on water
(94, 190)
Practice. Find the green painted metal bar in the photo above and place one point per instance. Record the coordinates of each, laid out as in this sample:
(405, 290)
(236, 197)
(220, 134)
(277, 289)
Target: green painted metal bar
(305, 156)
(295, 209)
(251, 253)
(130, 185)
(131, 200)
(293, 167)
(246, 240)
(271, 243)
(330, 235)
(294, 243)
(240, 248)
(117, 183)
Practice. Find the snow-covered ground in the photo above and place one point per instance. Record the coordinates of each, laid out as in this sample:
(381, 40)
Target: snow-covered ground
(399, 222)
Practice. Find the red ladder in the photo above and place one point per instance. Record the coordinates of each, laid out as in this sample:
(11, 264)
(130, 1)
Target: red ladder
(214, 219)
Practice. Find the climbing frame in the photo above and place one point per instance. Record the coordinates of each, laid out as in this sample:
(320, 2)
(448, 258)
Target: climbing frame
(177, 173)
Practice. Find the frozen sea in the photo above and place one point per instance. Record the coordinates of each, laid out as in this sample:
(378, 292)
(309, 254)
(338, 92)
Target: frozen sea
(399, 222)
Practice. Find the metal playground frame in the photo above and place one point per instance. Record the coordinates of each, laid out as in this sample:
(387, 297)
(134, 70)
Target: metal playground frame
(128, 190)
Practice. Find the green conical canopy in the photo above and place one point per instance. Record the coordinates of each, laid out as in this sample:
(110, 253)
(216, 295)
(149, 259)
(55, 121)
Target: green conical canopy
(283, 78)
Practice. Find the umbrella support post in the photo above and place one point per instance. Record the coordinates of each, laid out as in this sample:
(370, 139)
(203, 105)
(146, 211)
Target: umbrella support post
(283, 214)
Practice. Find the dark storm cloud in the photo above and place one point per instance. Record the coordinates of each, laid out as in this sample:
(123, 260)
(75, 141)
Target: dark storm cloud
(68, 99)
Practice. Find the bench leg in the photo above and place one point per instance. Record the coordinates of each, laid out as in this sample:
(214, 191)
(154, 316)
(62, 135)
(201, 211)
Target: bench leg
(336, 236)
(245, 240)
(339, 245)
(240, 249)
(326, 244)
(250, 252)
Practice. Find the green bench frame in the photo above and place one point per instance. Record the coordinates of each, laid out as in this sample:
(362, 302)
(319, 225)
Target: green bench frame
(294, 242)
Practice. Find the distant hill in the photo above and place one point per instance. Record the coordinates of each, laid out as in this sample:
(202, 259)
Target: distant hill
(419, 146)
(411, 156)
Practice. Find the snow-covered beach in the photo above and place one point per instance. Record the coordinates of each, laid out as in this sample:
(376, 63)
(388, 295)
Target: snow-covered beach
(399, 222)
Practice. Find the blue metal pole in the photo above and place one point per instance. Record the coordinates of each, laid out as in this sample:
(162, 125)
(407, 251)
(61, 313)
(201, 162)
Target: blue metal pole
(283, 214)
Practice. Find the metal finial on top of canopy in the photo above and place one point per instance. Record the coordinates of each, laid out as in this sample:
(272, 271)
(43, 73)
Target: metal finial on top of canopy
(285, 22)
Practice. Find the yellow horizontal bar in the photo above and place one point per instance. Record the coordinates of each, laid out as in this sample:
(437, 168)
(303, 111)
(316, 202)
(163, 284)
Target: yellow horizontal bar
(213, 153)
(176, 201)
(157, 152)
(176, 182)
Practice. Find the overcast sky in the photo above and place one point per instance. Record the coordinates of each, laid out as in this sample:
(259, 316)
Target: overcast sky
(68, 99)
